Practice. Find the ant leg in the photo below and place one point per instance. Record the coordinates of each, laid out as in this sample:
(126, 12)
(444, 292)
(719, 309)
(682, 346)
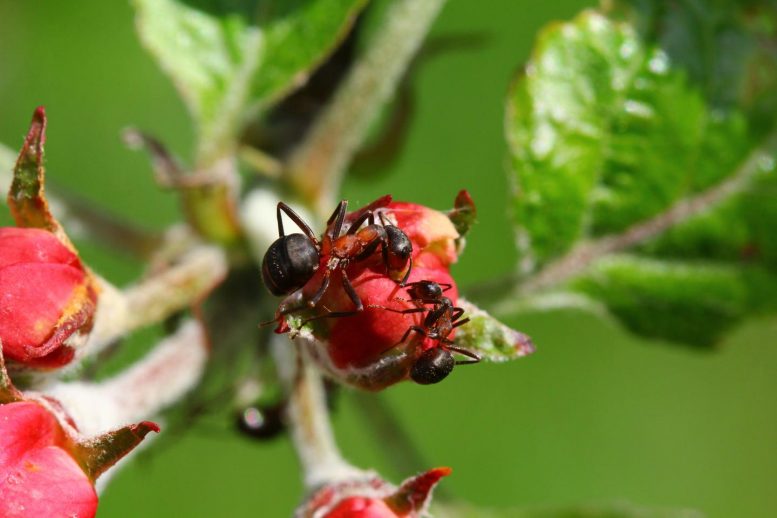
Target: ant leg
(367, 216)
(456, 314)
(461, 322)
(334, 224)
(282, 207)
(474, 357)
(348, 287)
(418, 329)
(352, 292)
(321, 290)
(380, 239)
(403, 282)
(405, 311)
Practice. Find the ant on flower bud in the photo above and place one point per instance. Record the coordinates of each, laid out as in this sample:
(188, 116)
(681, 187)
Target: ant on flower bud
(435, 363)
(292, 260)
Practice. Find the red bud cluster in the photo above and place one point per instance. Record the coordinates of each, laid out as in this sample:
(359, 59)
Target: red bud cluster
(374, 498)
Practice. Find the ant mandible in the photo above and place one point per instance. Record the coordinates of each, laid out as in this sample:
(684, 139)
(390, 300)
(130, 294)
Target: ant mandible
(292, 260)
(434, 364)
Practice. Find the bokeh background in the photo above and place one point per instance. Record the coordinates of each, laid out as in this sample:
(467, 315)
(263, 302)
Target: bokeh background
(594, 416)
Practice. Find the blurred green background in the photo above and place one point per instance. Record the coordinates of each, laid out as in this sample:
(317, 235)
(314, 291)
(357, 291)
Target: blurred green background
(594, 416)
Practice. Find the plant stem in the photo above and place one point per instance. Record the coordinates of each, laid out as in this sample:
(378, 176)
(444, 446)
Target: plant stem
(156, 298)
(309, 419)
(316, 168)
(157, 381)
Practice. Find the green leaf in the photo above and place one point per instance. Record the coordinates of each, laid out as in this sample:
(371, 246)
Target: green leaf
(693, 303)
(229, 59)
(604, 134)
(723, 45)
(490, 339)
(618, 144)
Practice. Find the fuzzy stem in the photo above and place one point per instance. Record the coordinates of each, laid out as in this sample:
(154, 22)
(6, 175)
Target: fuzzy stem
(157, 297)
(316, 168)
(142, 391)
(309, 421)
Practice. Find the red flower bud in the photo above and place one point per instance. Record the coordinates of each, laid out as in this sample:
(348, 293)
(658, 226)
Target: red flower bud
(361, 340)
(38, 477)
(374, 498)
(381, 344)
(361, 507)
(431, 232)
(47, 298)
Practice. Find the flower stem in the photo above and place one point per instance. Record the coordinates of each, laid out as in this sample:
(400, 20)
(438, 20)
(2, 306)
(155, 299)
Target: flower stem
(156, 298)
(316, 168)
(160, 379)
(309, 420)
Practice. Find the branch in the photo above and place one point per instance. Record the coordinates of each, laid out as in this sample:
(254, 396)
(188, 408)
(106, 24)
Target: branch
(583, 255)
(316, 168)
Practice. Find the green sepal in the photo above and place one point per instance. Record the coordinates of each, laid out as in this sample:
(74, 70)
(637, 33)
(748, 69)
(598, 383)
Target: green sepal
(97, 454)
(8, 393)
(490, 339)
(26, 197)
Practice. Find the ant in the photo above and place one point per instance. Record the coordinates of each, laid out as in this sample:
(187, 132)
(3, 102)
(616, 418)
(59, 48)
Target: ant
(292, 260)
(434, 364)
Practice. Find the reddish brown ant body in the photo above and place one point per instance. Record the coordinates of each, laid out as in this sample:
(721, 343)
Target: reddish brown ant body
(291, 261)
(434, 364)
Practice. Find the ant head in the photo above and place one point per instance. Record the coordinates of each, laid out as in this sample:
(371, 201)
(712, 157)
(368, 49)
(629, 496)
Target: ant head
(260, 422)
(428, 290)
(432, 366)
(289, 263)
(400, 249)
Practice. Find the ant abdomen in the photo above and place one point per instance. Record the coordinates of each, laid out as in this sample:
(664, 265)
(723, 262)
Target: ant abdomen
(289, 263)
(432, 366)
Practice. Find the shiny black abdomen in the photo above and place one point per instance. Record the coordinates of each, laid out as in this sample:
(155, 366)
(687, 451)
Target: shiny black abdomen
(289, 264)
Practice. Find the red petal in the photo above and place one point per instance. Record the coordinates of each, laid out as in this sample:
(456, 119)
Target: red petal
(361, 507)
(33, 245)
(429, 230)
(46, 482)
(24, 426)
(35, 298)
(38, 477)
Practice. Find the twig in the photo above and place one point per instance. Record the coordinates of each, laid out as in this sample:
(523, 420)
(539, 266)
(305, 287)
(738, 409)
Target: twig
(317, 166)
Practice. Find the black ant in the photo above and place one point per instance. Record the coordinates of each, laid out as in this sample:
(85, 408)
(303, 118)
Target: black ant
(434, 364)
(291, 261)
